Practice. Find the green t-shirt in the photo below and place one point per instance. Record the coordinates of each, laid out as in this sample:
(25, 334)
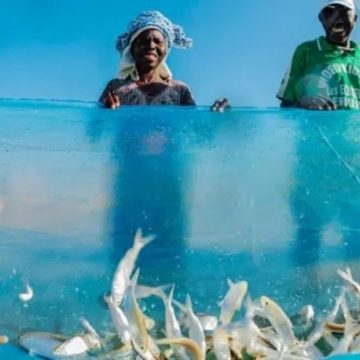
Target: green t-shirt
(323, 69)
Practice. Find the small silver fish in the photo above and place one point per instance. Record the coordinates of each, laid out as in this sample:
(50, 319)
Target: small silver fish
(41, 343)
(27, 295)
(120, 321)
(126, 266)
(319, 330)
(138, 331)
(232, 301)
(196, 331)
(172, 325)
(279, 320)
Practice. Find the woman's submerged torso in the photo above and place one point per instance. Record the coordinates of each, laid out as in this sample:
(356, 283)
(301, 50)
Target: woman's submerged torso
(173, 92)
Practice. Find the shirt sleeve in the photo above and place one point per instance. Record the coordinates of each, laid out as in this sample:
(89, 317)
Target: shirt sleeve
(112, 85)
(186, 97)
(290, 86)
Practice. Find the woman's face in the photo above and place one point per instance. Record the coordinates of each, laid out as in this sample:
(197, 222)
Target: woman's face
(149, 49)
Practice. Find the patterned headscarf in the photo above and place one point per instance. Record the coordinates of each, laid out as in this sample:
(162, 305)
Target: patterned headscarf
(174, 35)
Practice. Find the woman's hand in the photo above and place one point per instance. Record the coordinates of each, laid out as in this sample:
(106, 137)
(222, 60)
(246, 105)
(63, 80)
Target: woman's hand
(111, 100)
(316, 103)
(220, 105)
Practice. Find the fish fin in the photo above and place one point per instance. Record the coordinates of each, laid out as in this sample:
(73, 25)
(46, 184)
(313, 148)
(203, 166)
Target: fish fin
(343, 274)
(346, 312)
(108, 299)
(252, 308)
(101, 300)
(141, 241)
(230, 283)
(337, 305)
(180, 306)
(160, 290)
(188, 303)
(135, 277)
(171, 294)
(348, 270)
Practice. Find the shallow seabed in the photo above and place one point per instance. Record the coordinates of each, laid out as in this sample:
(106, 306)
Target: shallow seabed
(263, 195)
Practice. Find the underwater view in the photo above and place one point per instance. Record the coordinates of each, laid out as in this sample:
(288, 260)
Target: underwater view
(248, 219)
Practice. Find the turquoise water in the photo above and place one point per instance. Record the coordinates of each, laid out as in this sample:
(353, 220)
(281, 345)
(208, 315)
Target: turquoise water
(266, 195)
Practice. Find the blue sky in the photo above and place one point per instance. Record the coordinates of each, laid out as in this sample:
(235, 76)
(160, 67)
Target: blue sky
(64, 49)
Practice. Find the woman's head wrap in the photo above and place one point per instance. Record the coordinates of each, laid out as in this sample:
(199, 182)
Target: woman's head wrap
(174, 35)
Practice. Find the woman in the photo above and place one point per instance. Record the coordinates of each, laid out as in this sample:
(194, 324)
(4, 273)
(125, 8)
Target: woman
(144, 77)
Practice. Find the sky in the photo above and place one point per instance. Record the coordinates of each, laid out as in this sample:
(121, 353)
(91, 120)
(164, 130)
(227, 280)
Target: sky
(64, 49)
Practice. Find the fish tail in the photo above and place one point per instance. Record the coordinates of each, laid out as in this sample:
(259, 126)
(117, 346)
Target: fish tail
(171, 294)
(180, 306)
(160, 292)
(141, 241)
(188, 302)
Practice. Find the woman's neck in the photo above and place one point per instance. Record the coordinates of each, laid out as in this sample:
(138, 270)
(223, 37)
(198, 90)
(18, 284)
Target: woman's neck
(149, 76)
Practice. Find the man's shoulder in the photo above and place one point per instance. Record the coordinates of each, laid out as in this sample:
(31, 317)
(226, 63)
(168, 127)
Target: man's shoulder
(310, 45)
(356, 46)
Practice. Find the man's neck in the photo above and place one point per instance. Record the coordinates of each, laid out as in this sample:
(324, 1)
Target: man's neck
(345, 46)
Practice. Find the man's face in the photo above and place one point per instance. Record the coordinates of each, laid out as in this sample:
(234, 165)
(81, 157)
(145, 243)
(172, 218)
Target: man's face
(149, 49)
(338, 22)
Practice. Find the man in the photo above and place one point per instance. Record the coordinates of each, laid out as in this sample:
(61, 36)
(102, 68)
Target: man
(325, 73)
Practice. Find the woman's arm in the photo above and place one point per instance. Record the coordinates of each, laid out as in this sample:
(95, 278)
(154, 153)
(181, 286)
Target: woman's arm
(109, 98)
(186, 97)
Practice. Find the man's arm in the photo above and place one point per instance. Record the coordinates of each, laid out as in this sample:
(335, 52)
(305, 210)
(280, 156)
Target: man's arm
(290, 88)
(288, 104)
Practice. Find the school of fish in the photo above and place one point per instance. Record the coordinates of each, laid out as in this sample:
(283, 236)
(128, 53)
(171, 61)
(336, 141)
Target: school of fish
(244, 329)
